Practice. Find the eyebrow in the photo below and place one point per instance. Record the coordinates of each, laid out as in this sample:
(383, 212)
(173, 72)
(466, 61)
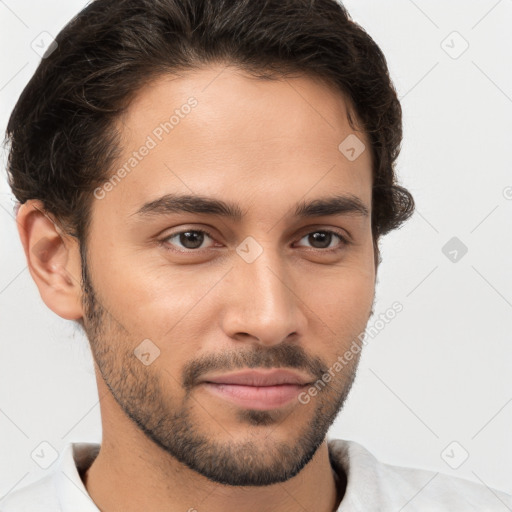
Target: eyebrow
(175, 203)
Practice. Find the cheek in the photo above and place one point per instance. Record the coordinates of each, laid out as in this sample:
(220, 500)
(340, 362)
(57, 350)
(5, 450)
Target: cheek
(161, 303)
(343, 303)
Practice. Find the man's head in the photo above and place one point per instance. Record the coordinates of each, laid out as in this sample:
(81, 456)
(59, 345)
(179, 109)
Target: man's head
(214, 177)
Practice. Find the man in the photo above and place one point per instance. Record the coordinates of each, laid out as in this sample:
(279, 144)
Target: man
(203, 186)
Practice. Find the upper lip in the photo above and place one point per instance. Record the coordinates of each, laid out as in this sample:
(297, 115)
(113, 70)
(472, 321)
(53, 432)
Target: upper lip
(272, 377)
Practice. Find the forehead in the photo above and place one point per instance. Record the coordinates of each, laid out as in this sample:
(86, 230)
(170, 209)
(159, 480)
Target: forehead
(219, 132)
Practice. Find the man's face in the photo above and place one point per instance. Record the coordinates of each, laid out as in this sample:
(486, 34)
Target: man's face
(269, 289)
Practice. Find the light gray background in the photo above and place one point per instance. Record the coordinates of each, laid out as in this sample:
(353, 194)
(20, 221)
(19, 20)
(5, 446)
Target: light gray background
(440, 371)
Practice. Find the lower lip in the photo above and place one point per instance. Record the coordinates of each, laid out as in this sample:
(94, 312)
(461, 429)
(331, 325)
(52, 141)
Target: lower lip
(256, 397)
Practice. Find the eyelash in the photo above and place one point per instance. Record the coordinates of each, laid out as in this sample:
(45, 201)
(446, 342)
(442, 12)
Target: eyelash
(344, 242)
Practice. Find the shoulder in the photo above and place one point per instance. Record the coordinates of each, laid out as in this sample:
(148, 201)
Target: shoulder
(371, 482)
(61, 490)
(42, 492)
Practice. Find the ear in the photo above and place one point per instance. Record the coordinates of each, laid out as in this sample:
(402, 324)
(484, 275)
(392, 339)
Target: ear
(53, 259)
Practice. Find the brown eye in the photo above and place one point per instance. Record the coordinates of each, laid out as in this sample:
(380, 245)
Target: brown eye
(324, 238)
(190, 239)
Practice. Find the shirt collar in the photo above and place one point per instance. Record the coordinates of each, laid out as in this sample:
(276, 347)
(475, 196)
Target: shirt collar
(75, 458)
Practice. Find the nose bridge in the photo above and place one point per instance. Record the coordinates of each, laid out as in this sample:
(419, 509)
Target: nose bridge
(264, 305)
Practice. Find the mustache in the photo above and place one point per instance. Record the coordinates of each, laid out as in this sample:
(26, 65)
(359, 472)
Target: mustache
(278, 356)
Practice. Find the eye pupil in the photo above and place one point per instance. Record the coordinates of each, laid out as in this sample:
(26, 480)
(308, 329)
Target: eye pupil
(196, 238)
(321, 236)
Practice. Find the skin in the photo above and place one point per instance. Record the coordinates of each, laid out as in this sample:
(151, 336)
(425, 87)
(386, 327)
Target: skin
(168, 443)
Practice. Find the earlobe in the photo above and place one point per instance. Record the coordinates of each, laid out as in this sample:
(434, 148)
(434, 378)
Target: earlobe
(53, 260)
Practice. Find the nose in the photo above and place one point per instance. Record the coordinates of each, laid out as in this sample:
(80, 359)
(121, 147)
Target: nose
(264, 304)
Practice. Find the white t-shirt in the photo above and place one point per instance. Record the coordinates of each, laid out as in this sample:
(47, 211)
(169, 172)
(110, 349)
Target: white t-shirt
(371, 486)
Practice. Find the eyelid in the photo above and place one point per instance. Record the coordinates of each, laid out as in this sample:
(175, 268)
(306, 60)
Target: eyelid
(342, 233)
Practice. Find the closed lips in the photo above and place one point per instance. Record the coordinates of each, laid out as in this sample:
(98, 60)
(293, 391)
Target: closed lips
(261, 378)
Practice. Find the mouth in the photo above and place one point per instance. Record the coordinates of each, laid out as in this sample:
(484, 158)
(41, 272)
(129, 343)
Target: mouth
(261, 390)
